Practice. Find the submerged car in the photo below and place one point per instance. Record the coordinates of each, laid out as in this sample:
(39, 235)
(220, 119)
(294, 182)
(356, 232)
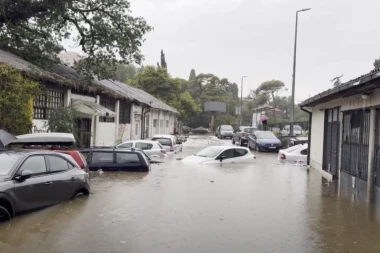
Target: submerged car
(294, 154)
(169, 142)
(221, 154)
(264, 141)
(224, 131)
(33, 179)
(152, 148)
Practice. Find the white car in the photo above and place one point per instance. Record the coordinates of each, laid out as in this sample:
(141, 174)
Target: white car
(152, 148)
(221, 154)
(169, 142)
(294, 154)
(297, 130)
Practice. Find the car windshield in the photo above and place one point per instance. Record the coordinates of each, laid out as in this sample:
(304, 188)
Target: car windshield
(265, 135)
(8, 161)
(226, 128)
(163, 141)
(209, 152)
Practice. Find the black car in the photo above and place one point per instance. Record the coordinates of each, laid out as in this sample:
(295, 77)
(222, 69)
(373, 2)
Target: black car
(111, 159)
(31, 180)
(264, 141)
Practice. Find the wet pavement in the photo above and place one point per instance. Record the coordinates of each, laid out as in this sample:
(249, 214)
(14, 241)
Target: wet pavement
(264, 207)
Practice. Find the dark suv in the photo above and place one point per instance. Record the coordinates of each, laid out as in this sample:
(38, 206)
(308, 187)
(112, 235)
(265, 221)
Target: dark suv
(108, 159)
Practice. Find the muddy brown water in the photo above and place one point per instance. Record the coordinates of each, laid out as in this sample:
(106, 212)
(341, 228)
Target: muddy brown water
(264, 207)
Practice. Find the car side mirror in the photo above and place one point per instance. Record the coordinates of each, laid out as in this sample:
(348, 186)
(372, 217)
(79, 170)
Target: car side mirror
(222, 157)
(25, 174)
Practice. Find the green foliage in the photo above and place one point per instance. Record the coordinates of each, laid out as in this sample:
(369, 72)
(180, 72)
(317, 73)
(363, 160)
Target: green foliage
(227, 119)
(125, 73)
(163, 61)
(63, 120)
(104, 29)
(186, 106)
(16, 93)
(376, 63)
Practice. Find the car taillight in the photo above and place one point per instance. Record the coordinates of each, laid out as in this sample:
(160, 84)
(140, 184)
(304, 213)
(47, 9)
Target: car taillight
(171, 148)
(163, 151)
(283, 156)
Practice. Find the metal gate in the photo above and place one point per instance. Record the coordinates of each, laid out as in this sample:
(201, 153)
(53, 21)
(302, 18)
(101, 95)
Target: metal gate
(84, 132)
(331, 142)
(376, 174)
(355, 143)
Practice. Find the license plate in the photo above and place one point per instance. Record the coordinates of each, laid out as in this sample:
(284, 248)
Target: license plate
(272, 147)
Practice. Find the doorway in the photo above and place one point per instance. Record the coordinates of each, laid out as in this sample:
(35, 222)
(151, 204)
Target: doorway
(331, 142)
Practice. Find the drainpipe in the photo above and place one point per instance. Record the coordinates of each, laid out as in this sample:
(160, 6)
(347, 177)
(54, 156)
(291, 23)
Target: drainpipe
(309, 137)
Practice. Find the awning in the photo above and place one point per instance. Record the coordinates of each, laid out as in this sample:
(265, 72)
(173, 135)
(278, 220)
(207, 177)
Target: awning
(92, 108)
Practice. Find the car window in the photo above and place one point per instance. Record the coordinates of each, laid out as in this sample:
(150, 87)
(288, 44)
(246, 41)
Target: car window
(248, 130)
(83, 158)
(36, 164)
(304, 152)
(161, 147)
(144, 145)
(163, 141)
(127, 158)
(126, 145)
(229, 153)
(240, 152)
(8, 161)
(85, 154)
(57, 164)
(210, 152)
(102, 157)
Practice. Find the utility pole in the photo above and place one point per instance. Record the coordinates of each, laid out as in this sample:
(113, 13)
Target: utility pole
(241, 100)
(294, 74)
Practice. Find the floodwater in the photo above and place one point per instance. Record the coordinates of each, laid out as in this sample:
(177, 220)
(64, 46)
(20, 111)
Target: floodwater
(264, 207)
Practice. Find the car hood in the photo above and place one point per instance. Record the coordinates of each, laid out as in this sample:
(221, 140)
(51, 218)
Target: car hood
(269, 141)
(196, 159)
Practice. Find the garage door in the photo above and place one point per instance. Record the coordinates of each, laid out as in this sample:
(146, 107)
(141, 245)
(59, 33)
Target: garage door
(355, 142)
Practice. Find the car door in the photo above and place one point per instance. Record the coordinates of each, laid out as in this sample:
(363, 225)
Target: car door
(101, 160)
(36, 191)
(65, 181)
(228, 154)
(128, 161)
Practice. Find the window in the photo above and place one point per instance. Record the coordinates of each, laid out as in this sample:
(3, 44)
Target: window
(109, 105)
(144, 145)
(167, 123)
(127, 158)
(161, 123)
(102, 157)
(304, 152)
(163, 141)
(240, 152)
(229, 153)
(126, 145)
(155, 123)
(125, 113)
(44, 104)
(57, 164)
(36, 164)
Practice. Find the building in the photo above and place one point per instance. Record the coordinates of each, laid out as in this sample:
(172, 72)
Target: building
(110, 112)
(266, 110)
(345, 133)
(69, 58)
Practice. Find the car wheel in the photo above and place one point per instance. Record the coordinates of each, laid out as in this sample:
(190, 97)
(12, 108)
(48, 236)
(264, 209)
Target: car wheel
(4, 214)
(80, 194)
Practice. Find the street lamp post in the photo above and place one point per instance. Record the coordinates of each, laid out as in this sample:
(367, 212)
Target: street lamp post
(241, 100)
(294, 74)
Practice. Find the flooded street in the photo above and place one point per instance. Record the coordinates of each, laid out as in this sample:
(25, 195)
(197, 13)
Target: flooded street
(265, 207)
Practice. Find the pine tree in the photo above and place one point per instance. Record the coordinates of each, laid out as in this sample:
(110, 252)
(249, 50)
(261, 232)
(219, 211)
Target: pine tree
(163, 61)
(192, 75)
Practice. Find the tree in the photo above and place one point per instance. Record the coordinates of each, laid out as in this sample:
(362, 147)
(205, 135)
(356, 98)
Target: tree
(163, 61)
(186, 106)
(376, 63)
(16, 94)
(192, 75)
(63, 120)
(105, 30)
(125, 73)
(271, 88)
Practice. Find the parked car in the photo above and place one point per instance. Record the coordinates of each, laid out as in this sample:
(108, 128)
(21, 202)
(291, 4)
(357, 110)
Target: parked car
(297, 130)
(298, 140)
(109, 159)
(200, 130)
(221, 154)
(297, 153)
(264, 141)
(152, 148)
(169, 142)
(33, 179)
(57, 142)
(241, 135)
(224, 131)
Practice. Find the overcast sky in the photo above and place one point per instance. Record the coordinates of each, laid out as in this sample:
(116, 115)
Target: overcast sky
(233, 38)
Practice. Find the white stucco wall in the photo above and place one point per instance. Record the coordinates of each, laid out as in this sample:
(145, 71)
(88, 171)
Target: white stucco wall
(105, 134)
(317, 134)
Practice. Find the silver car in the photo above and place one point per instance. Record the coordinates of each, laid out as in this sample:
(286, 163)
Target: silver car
(241, 135)
(152, 148)
(169, 142)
